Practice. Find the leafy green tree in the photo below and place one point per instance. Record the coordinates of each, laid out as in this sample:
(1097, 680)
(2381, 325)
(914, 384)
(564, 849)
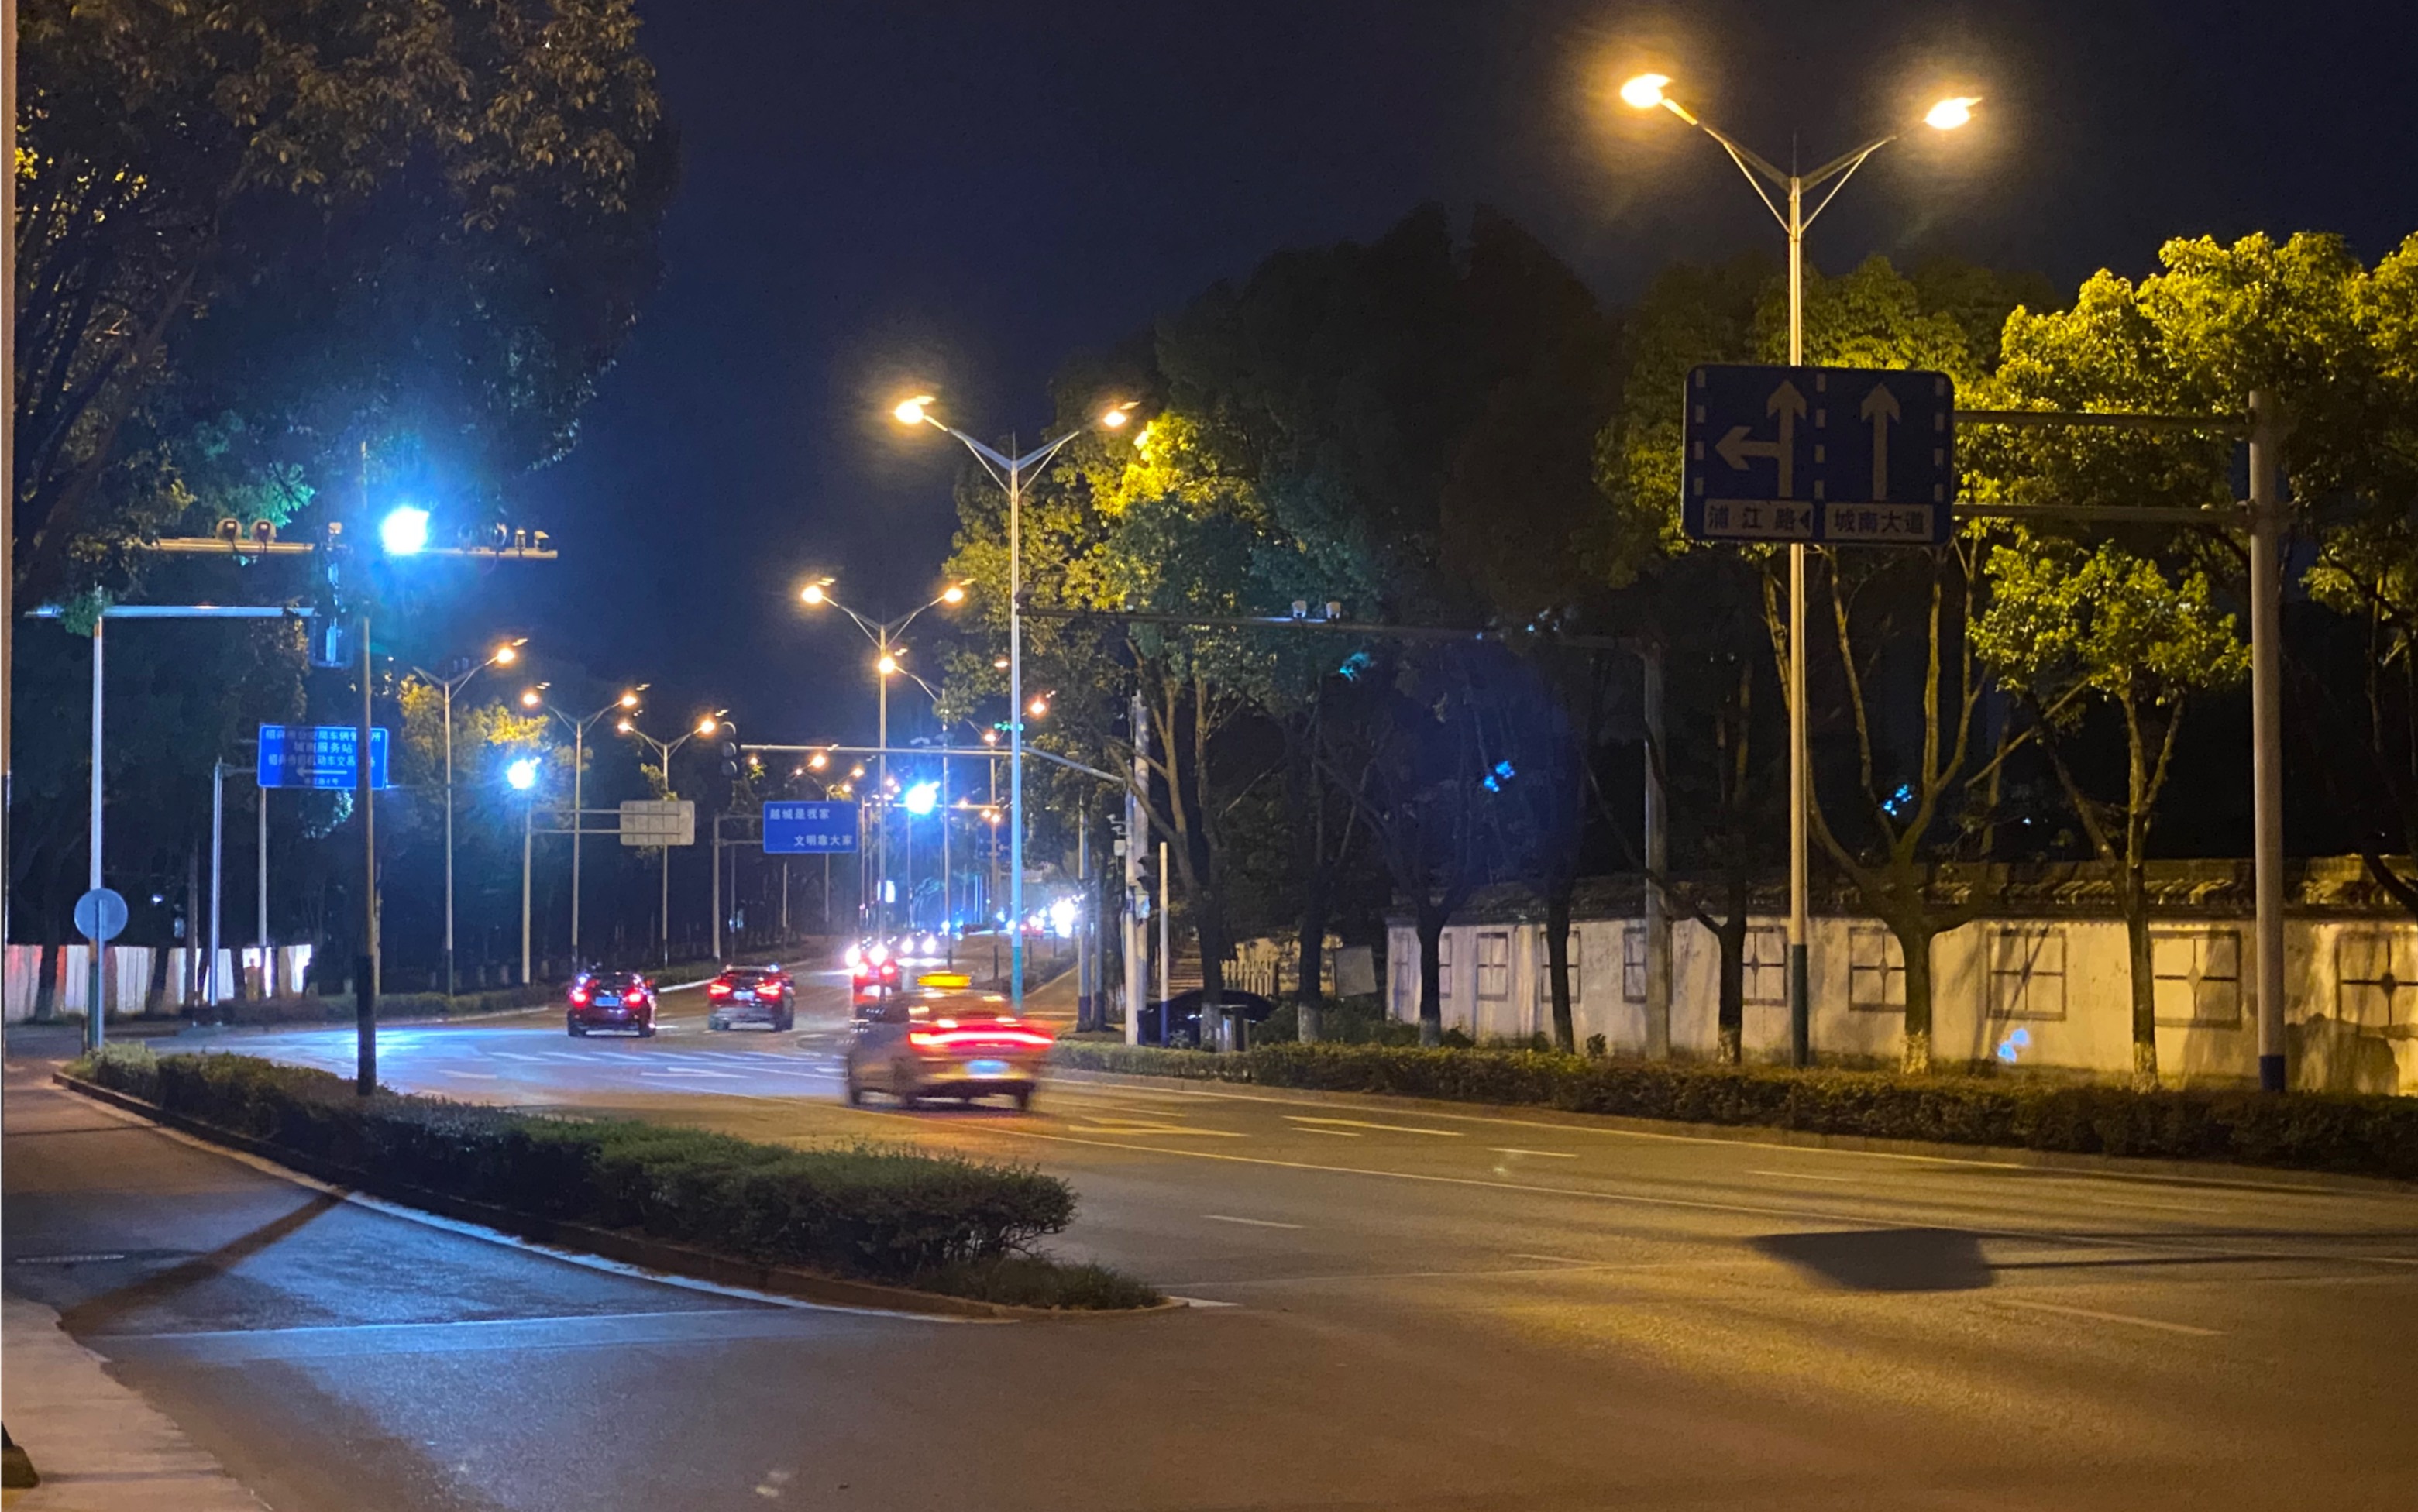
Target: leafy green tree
(255, 237)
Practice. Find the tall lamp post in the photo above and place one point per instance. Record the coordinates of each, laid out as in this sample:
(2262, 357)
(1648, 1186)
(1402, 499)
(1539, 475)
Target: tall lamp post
(535, 698)
(884, 636)
(522, 774)
(1648, 91)
(663, 749)
(1011, 473)
(504, 655)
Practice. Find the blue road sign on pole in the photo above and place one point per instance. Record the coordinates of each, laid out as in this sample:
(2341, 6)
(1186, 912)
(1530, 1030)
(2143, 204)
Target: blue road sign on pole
(1850, 456)
(318, 755)
(820, 828)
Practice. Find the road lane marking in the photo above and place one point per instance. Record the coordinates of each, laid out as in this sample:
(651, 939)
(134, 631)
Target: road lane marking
(1122, 1127)
(695, 1071)
(1201, 1302)
(1801, 1176)
(474, 1076)
(1256, 1223)
(1335, 1134)
(2109, 1317)
(1366, 1124)
(1548, 1154)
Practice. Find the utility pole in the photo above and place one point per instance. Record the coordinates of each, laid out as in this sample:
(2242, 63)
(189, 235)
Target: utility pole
(365, 967)
(1136, 943)
(269, 972)
(218, 873)
(2267, 429)
(95, 1034)
(527, 813)
(1658, 866)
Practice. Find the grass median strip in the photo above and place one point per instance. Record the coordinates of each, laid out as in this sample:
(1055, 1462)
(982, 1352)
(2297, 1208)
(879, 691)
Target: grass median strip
(857, 1212)
(2309, 1131)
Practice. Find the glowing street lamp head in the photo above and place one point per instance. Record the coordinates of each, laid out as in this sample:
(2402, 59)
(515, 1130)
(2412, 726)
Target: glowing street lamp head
(887, 666)
(921, 799)
(625, 726)
(817, 761)
(812, 593)
(404, 532)
(707, 726)
(1951, 113)
(1115, 416)
(991, 737)
(1644, 92)
(507, 653)
(914, 411)
(856, 773)
(1038, 709)
(953, 593)
(522, 774)
(629, 700)
(531, 698)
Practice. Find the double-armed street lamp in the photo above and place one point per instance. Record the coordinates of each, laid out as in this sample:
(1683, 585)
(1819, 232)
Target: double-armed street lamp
(533, 699)
(503, 655)
(706, 725)
(888, 663)
(1011, 474)
(1650, 91)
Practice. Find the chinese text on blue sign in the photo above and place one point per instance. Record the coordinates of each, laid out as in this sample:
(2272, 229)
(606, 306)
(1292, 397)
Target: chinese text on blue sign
(1861, 456)
(318, 755)
(815, 829)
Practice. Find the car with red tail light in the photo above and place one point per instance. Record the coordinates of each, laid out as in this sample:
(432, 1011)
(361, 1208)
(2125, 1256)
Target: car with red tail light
(619, 1001)
(963, 1046)
(751, 995)
(873, 970)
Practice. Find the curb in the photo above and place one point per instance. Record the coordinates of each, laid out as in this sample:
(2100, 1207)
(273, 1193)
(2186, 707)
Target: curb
(2137, 1167)
(612, 1243)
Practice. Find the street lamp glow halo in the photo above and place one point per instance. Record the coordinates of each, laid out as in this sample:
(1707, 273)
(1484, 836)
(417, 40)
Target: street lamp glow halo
(706, 727)
(522, 774)
(1645, 91)
(953, 593)
(914, 411)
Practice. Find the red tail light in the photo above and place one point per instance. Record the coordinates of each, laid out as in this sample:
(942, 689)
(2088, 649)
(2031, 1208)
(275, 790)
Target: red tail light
(718, 989)
(579, 997)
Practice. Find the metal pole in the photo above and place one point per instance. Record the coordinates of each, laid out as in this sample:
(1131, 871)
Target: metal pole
(717, 889)
(579, 827)
(366, 967)
(1164, 964)
(2267, 729)
(1082, 960)
(1016, 739)
(449, 838)
(1657, 864)
(218, 875)
(1136, 943)
(95, 1034)
(663, 909)
(881, 790)
(1801, 1046)
(826, 892)
(528, 810)
(948, 921)
(269, 972)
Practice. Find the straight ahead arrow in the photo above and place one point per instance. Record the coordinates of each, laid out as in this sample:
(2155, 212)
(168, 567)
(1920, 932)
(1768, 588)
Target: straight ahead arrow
(1881, 407)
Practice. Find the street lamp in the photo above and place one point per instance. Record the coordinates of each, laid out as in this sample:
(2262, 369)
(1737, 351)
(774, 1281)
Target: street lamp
(885, 635)
(628, 701)
(504, 655)
(522, 775)
(1010, 473)
(404, 532)
(1648, 91)
(663, 749)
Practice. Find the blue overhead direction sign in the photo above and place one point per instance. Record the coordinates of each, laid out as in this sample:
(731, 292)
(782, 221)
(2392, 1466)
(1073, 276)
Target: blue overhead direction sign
(822, 827)
(319, 755)
(1863, 456)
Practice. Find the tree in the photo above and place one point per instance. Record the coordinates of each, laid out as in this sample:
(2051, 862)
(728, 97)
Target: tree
(253, 238)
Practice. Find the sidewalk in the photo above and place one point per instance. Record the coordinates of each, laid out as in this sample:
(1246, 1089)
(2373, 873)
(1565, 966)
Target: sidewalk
(98, 1446)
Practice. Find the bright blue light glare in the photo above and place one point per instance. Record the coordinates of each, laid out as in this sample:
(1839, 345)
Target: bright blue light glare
(922, 799)
(404, 531)
(522, 774)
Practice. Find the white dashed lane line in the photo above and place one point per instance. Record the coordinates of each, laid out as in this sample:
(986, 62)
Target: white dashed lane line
(1255, 1223)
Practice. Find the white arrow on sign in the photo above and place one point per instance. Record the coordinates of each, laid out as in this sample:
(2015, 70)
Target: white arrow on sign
(1736, 449)
(1881, 407)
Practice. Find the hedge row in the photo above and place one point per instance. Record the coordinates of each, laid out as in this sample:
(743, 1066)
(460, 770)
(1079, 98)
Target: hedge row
(865, 1212)
(2311, 1131)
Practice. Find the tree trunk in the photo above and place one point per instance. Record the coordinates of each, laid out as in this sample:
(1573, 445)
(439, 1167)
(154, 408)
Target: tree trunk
(1431, 930)
(46, 984)
(1557, 961)
(156, 992)
(2136, 897)
(1917, 1062)
(1732, 1047)
(1307, 996)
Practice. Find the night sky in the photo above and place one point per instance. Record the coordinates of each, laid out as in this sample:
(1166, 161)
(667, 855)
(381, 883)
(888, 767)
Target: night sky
(959, 194)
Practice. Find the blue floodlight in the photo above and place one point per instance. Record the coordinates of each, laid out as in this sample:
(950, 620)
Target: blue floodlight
(922, 799)
(522, 774)
(404, 531)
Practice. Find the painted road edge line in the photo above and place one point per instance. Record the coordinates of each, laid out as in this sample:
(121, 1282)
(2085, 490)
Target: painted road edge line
(2097, 1315)
(1256, 1223)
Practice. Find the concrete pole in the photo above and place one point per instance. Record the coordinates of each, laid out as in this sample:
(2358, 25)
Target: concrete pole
(210, 993)
(578, 827)
(717, 889)
(1800, 1016)
(2267, 429)
(95, 1034)
(449, 838)
(880, 789)
(1135, 946)
(528, 811)
(1658, 866)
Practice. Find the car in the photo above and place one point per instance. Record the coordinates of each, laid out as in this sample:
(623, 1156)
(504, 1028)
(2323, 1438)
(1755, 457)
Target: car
(914, 1045)
(611, 1001)
(751, 995)
(872, 970)
(1177, 1021)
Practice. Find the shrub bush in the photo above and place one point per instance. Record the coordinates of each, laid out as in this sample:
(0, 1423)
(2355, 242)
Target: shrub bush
(865, 1212)
(2312, 1131)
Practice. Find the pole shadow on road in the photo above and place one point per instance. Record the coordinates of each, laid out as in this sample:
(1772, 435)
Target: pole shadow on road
(94, 1315)
(1886, 1260)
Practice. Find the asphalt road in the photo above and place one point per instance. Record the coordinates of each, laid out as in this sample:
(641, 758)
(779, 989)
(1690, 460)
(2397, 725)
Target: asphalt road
(1412, 1307)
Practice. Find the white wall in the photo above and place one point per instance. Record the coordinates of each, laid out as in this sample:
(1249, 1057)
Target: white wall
(129, 976)
(2058, 994)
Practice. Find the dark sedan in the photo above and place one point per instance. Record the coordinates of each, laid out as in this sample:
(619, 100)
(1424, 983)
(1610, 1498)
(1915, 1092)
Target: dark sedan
(618, 1001)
